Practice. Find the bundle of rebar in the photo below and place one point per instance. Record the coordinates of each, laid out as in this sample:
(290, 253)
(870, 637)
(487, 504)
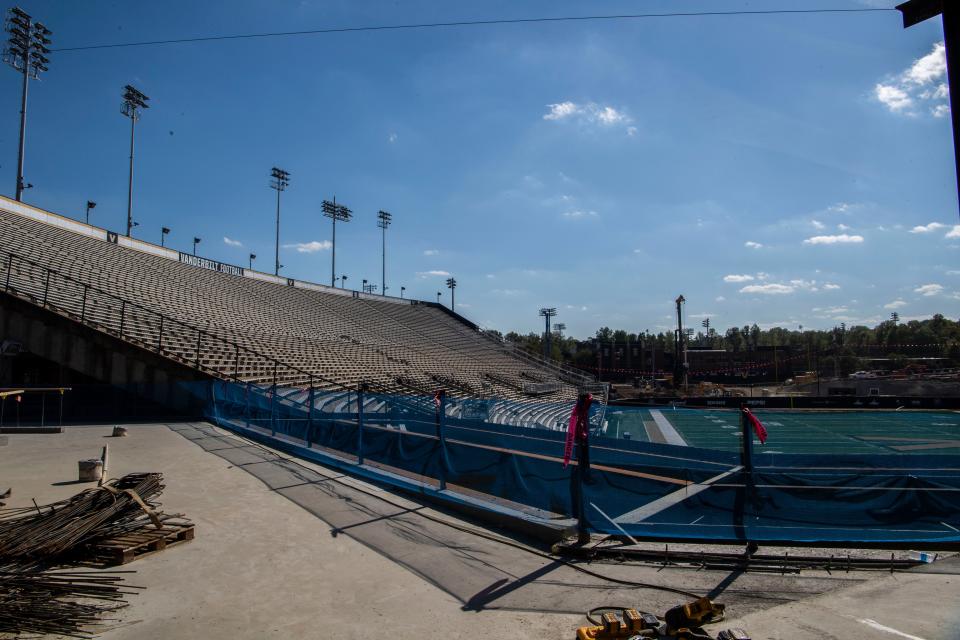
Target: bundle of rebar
(37, 598)
(37, 601)
(48, 531)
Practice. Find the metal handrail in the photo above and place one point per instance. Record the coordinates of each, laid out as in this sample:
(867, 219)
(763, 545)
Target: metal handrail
(163, 319)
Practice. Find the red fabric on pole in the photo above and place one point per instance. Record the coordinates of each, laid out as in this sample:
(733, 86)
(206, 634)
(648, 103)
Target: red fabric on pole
(579, 426)
(758, 427)
(436, 398)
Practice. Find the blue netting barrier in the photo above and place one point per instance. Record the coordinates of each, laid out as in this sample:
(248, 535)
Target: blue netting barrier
(633, 486)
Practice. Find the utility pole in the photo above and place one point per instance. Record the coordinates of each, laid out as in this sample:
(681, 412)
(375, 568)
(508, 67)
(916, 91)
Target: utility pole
(164, 231)
(133, 104)
(90, 205)
(280, 180)
(547, 313)
(383, 221)
(335, 212)
(679, 367)
(917, 11)
(26, 53)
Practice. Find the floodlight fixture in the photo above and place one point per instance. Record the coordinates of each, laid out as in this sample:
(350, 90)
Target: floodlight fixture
(279, 181)
(335, 212)
(895, 317)
(133, 103)
(90, 205)
(438, 297)
(163, 235)
(253, 257)
(196, 241)
(383, 221)
(559, 328)
(402, 289)
(26, 53)
(452, 285)
(547, 313)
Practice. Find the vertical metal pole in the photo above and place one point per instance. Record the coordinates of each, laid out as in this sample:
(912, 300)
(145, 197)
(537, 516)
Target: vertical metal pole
(133, 123)
(43, 408)
(123, 310)
(61, 407)
(273, 402)
(246, 412)
(383, 264)
(360, 391)
(197, 362)
(441, 418)
(6, 286)
(236, 363)
(83, 305)
(160, 337)
(310, 400)
(46, 288)
(333, 247)
(276, 268)
(746, 455)
(23, 115)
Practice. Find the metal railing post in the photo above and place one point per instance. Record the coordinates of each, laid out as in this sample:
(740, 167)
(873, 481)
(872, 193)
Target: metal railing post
(273, 402)
(46, 289)
(441, 419)
(247, 403)
(6, 287)
(360, 391)
(310, 400)
(160, 337)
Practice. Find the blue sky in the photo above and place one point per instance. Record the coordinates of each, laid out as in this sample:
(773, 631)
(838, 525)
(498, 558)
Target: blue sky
(782, 170)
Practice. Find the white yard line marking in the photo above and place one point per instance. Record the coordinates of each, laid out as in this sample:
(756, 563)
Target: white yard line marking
(880, 627)
(669, 433)
(661, 504)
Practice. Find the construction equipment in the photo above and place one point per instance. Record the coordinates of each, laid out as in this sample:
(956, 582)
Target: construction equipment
(683, 622)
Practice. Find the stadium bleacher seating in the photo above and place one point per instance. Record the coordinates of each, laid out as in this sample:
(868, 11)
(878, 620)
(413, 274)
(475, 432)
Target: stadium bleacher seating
(264, 332)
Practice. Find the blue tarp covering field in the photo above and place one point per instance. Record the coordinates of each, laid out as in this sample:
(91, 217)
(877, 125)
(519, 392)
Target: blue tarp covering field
(645, 489)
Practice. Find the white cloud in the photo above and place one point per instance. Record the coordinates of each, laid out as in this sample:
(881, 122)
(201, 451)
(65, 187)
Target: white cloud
(953, 272)
(843, 227)
(720, 299)
(929, 289)
(767, 289)
(392, 138)
(829, 286)
(231, 242)
(433, 272)
(309, 247)
(842, 207)
(431, 252)
(737, 278)
(580, 214)
(589, 113)
(953, 233)
(922, 82)
(750, 244)
(509, 292)
(927, 228)
(896, 304)
(818, 225)
(838, 239)
(894, 98)
(490, 276)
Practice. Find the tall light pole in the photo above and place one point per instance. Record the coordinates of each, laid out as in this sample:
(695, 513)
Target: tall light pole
(253, 257)
(133, 103)
(343, 281)
(452, 285)
(280, 180)
(383, 221)
(402, 289)
(335, 212)
(164, 231)
(26, 53)
(560, 328)
(547, 313)
(196, 241)
(90, 205)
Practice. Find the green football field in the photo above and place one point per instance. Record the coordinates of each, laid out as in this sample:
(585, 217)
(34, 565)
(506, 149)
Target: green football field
(798, 431)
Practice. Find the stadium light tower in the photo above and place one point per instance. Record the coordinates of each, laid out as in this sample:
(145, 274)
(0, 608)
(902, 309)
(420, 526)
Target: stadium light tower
(402, 289)
(560, 328)
(383, 221)
(196, 241)
(26, 52)
(164, 231)
(279, 182)
(438, 297)
(547, 313)
(134, 102)
(335, 212)
(452, 285)
(90, 205)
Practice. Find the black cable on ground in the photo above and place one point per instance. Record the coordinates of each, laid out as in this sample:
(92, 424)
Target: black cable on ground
(483, 534)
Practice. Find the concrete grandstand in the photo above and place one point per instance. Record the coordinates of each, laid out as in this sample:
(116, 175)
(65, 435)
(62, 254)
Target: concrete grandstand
(242, 325)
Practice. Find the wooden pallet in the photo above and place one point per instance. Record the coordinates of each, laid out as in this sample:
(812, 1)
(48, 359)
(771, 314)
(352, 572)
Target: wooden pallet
(143, 542)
